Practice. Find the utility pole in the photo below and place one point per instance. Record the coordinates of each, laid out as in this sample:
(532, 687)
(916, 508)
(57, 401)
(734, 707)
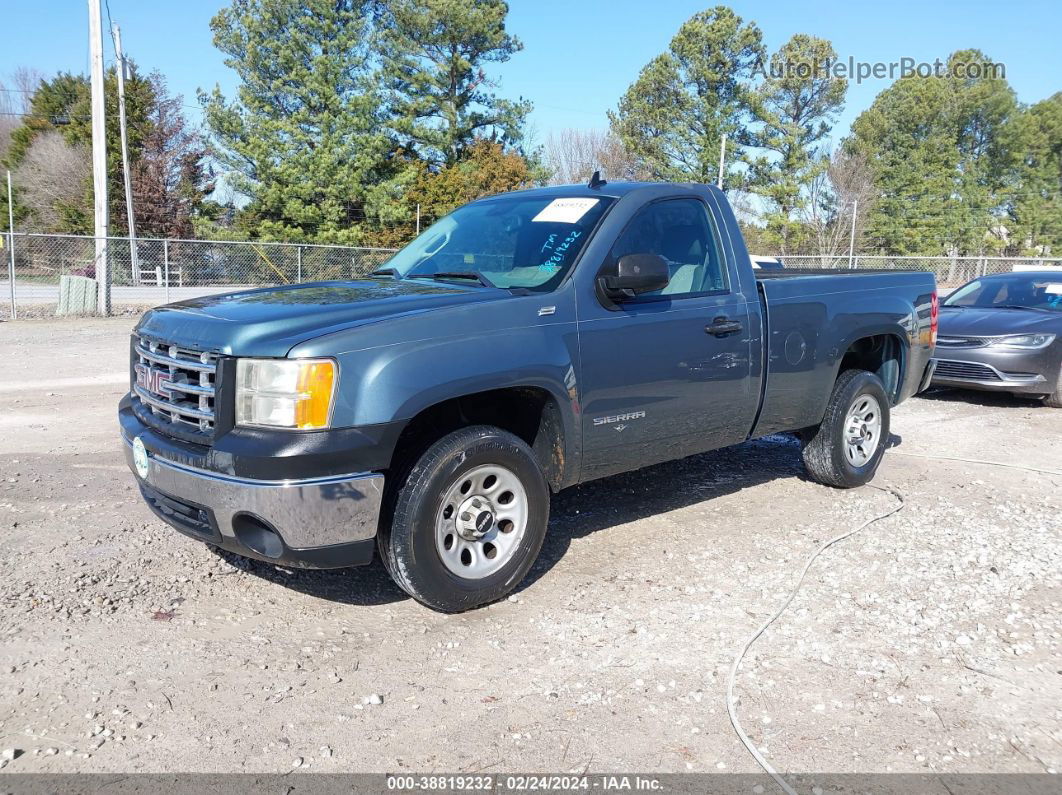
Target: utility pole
(722, 157)
(418, 218)
(134, 263)
(99, 155)
(851, 236)
(11, 247)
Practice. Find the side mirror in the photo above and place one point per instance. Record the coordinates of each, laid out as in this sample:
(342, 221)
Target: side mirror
(635, 274)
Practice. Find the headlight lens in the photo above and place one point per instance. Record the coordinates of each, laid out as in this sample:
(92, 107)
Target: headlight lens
(1023, 341)
(285, 393)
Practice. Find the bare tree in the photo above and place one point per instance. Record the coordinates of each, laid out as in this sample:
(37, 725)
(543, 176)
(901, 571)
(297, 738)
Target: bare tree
(27, 80)
(169, 177)
(16, 101)
(573, 155)
(53, 182)
(9, 119)
(846, 186)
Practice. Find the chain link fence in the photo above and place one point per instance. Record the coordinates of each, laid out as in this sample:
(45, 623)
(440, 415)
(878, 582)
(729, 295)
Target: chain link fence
(950, 271)
(170, 270)
(159, 271)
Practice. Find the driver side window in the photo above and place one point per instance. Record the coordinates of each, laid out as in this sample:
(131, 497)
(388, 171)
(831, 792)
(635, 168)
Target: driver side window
(680, 231)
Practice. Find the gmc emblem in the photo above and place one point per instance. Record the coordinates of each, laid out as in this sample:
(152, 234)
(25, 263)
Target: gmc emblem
(153, 380)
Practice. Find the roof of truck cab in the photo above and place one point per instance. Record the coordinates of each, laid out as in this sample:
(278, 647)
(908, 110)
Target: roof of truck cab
(613, 190)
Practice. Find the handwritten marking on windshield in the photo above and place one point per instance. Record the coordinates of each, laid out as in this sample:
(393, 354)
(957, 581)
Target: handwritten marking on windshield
(557, 258)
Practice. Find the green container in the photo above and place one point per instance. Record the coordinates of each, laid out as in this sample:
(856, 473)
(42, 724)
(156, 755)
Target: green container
(77, 296)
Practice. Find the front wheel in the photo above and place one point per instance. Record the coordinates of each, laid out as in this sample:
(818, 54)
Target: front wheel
(468, 521)
(1054, 400)
(846, 448)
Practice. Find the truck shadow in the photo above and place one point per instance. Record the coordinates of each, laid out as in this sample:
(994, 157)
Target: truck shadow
(362, 586)
(578, 512)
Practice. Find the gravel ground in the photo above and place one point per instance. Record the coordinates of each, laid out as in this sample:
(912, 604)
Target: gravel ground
(930, 642)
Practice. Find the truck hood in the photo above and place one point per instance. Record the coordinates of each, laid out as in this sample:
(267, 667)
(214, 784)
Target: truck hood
(987, 322)
(271, 321)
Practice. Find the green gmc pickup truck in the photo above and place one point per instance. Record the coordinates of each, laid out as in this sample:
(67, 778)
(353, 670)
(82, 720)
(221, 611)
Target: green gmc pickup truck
(525, 343)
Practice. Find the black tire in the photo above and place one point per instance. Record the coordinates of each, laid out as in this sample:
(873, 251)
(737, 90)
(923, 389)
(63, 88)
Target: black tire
(1054, 400)
(825, 447)
(408, 545)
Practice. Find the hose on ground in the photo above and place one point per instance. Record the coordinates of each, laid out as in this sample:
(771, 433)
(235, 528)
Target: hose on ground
(976, 461)
(731, 707)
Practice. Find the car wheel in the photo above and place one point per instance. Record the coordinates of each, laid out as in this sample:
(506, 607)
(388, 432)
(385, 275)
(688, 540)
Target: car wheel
(468, 521)
(1054, 400)
(847, 446)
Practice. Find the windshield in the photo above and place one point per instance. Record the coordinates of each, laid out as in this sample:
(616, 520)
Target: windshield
(511, 241)
(1020, 291)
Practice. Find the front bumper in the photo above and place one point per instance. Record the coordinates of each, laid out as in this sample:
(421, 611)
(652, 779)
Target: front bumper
(320, 522)
(1018, 374)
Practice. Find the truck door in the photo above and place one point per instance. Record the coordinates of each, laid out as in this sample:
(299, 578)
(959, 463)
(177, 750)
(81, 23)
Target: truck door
(666, 374)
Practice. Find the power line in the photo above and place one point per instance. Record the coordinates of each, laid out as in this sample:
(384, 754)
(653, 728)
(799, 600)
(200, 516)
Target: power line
(110, 28)
(43, 117)
(79, 117)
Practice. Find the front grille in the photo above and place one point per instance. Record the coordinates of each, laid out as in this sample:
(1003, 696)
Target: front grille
(175, 384)
(969, 371)
(961, 342)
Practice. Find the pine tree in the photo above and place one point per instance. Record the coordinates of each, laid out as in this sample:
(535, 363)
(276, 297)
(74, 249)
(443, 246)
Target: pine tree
(673, 117)
(306, 137)
(797, 104)
(441, 95)
(943, 152)
(1037, 209)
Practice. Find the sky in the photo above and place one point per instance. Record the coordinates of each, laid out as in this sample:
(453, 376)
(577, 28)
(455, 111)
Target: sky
(580, 55)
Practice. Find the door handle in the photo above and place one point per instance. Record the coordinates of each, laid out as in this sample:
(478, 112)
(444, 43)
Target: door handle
(721, 327)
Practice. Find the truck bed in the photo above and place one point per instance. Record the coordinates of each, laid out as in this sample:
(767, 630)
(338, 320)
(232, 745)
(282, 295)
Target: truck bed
(811, 317)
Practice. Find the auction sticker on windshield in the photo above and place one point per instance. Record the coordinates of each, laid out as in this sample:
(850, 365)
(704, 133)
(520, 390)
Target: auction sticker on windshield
(565, 211)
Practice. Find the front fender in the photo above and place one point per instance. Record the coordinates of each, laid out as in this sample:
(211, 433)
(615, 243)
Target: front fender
(413, 366)
(398, 382)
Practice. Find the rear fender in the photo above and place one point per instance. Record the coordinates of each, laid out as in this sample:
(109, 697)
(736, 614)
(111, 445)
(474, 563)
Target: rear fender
(809, 338)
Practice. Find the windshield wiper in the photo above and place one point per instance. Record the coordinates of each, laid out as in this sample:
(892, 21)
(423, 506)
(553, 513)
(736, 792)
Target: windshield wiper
(443, 275)
(1014, 306)
(385, 272)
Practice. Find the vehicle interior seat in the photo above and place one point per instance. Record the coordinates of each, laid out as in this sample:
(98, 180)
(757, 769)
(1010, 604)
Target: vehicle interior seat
(684, 250)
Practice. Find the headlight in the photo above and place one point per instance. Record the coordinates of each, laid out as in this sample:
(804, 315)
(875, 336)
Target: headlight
(285, 393)
(1023, 342)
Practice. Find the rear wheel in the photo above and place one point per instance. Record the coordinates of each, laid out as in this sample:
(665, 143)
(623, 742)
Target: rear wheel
(846, 448)
(468, 520)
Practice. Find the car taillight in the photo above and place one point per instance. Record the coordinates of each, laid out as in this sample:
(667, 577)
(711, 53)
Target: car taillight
(934, 318)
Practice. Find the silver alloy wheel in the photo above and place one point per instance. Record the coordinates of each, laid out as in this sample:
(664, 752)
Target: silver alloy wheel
(862, 430)
(481, 521)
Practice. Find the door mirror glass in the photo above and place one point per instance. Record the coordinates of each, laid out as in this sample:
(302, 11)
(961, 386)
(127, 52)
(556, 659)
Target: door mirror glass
(636, 274)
